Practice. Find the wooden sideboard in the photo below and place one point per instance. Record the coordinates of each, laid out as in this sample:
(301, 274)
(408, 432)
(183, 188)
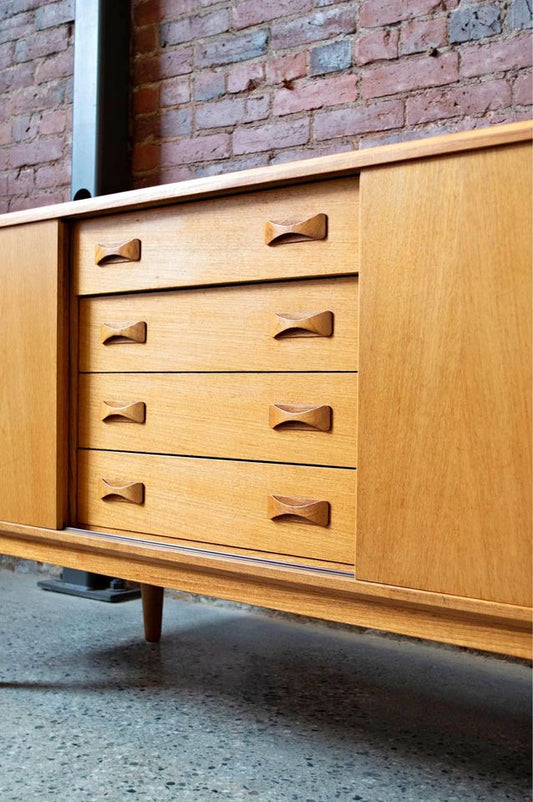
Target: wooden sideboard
(306, 387)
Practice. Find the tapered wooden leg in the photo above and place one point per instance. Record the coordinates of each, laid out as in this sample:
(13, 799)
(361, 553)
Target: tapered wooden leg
(152, 599)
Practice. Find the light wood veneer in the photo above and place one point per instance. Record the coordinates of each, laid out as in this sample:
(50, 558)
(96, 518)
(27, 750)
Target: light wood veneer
(381, 299)
(223, 329)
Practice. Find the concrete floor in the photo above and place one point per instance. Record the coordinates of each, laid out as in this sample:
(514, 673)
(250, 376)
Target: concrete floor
(236, 704)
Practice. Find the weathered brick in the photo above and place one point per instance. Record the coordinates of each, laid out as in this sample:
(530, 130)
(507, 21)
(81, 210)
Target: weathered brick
(246, 77)
(145, 39)
(168, 175)
(376, 46)
(374, 13)
(474, 22)
(520, 14)
(21, 76)
(21, 181)
(269, 136)
(232, 48)
(25, 127)
(359, 119)
(321, 92)
(331, 57)
(145, 12)
(154, 68)
(523, 89)
(37, 98)
(209, 84)
(195, 27)
(145, 157)
(5, 134)
(44, 149)
(40, 44)
(421, 35)
(171, 9)
(174, 91)
(53, 122)
(16, 27)
(287, 68)
(52, 175)
(54, 67)
(232, 165)
(318, 26)
(409, 74)
(296, 154)
(145, 100)
(231, 111)
(18, 6)
(52, 14)
(252, 12)
(7, 51)
(147, 128)
(439, 104)
(506, 54)
(176, 122)
(197, 149)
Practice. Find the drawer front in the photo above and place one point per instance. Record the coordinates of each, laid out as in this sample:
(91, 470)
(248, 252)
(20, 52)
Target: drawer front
(285, 417)
(222, 241)
(224, 502)
(300, 325)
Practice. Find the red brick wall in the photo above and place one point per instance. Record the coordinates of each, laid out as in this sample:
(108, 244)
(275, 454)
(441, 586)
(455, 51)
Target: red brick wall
(220, 86)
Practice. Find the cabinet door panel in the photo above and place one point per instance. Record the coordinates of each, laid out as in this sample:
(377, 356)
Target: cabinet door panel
(32, 375)
(445, 375)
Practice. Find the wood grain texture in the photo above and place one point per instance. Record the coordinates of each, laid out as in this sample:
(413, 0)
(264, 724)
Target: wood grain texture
(223, 415)
(222, 328)
(121, 332)
(336, 165)
(227, 499)
(287, 231)
(445, 383)
(480, 625)
(308, 510)
(33, 406)
(152, 603)
(113, 252)
(222, 241)
(129, 493)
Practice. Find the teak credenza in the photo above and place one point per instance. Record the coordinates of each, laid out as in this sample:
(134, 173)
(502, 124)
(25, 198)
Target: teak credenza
(306, 387)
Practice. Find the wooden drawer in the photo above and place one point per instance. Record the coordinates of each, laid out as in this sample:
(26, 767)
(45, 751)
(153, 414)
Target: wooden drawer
(220, 501)
(240, 416)
(224, 328)
(221, 241)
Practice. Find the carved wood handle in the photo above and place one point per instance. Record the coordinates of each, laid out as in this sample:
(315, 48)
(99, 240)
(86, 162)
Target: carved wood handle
(113, 253)
(117, 410)
(296, 416)
(303, 509)
(312, 228)
(133, 492)
(303, 324)
(123, 332)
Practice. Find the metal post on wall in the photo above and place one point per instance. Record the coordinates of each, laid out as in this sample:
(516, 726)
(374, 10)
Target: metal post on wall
(100, 165)
(100, 158)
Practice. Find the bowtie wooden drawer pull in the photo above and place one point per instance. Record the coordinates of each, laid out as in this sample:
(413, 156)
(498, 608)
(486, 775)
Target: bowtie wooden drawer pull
(132, 493)
(303, 324)
(117, 252)
(309, 510)
(123, 333)
(297, 416)
(116, 410)
(313, 228)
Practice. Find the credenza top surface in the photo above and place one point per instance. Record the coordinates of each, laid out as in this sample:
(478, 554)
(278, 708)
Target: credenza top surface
(332, 166)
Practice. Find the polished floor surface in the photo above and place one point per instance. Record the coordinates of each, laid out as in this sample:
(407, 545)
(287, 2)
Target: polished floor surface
(237, 704)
